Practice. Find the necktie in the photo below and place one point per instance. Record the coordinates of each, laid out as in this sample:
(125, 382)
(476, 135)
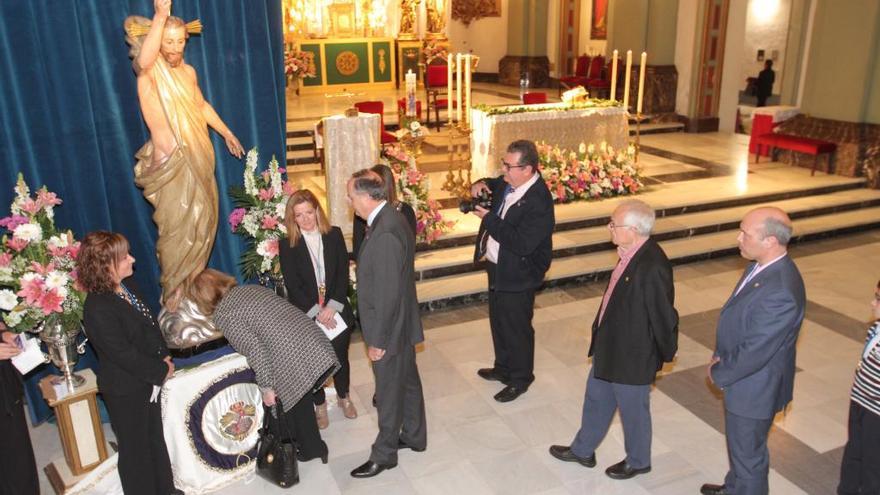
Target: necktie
(747, 279)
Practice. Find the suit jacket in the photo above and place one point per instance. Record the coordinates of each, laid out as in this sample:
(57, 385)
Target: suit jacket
(129, 345)
(524, 235)
(11, 388)
(386, 288)
(639, 330)
(299, 274)
(359, 227)
(755, 340)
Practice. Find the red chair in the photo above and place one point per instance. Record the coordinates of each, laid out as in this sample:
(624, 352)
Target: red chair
(599, 83)
(377, 107)
(401, 110)
(435, 87)
(534, 98)
(580, 76)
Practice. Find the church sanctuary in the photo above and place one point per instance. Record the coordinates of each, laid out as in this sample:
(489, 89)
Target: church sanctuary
(581, 246)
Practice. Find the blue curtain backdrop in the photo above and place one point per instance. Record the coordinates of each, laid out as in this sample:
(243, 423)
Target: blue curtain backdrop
(71, 120)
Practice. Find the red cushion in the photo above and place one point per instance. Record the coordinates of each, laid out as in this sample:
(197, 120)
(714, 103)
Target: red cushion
(387, 137)
(534, 98)
(596, 67)
(583, 66)
(436, 75)
(796, 143)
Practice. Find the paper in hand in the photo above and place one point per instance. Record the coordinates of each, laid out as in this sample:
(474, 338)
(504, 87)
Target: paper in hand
(31, 356)
(332, 333)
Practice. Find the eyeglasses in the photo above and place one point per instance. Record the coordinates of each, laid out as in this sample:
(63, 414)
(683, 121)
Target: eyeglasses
(508, 166)
(612, 226)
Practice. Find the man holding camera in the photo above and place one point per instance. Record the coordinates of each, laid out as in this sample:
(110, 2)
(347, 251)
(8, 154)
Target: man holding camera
(515, 239)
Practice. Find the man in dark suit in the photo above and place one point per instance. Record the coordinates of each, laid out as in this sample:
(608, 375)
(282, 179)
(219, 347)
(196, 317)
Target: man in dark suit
(515, 238)
(754, 358)
(18, 470)
(390, 322)
(634, 333)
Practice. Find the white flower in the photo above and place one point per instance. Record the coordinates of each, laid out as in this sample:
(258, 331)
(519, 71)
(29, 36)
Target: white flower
(28, 232)
(582, 148)
(282, 228)
(29, 276)
(275, 176)
(13, 318)
(58, 241)
(8, 300)
(57, 280)
(280, 209)
(262, 250)
(249, 169)
(591, 148)
(6, 274)
(415, 125)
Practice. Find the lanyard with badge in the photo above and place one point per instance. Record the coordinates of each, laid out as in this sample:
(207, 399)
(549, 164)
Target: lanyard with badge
(318, 263)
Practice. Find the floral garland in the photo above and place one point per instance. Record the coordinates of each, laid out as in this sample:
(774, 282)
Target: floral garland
(579, 105)
(589, 172)
(259, 215)
(413, 186)
(37, 265)
(299, 63)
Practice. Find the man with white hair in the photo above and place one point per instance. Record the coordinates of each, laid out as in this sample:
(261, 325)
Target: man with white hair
(634, 333)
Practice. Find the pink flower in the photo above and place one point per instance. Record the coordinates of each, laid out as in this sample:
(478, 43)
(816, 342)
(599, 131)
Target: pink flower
(235, 218)
(5, 259)
(288, 188)
(42, 270)
(266, 194)
(269, 222)
(16, 244)
(420, 227)
(272, 247)
(46, 198)
(31, 206)
(13, 221)
(50, 302)
(73, 249)
(31, 290)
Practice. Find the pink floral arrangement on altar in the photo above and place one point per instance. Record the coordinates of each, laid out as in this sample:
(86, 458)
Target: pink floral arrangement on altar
(299, 63)
(37, 264)
(412, 187)
(433, 51)
(591, 172)
(259, 215)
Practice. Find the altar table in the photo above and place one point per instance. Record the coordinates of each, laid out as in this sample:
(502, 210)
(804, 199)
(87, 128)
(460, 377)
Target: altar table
(555, 125)
(350, 144)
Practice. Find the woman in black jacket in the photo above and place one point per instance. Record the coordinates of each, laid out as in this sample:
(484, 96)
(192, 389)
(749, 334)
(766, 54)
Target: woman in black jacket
(134, 362)
(314, 262)
(360, 225)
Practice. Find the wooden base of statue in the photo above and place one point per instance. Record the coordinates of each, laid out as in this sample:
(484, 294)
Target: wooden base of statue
(79, 424)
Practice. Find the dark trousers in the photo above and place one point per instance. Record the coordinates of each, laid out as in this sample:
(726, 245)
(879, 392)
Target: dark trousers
(144, 466)
(341, 379)
(513, 337)
(303, 428)
(601, 399)
(18, 470)
(400, 405)
(860, 468)
(749, 457)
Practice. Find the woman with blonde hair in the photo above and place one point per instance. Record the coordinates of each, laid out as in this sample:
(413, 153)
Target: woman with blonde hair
(289, 354)
(314, 262)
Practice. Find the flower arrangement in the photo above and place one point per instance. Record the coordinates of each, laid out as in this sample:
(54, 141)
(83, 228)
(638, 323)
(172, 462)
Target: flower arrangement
(37, 264)
(589, 173)
(413, 186)
(259, 215)
(299, 64)
(574, 105)
(411, 126)
(433, 51)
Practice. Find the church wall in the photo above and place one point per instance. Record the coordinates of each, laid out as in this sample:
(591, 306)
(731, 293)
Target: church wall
(627, 26)
(686, 53)
(585, 43)
(872, 108)
(660, 35)
(486, 37)
(766, 29)
(734, 53)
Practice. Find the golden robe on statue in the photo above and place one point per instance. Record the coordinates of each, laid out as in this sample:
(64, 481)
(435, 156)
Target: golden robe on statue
(182, 189)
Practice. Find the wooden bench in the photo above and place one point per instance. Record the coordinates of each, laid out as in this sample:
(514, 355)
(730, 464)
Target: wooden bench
(799, 144)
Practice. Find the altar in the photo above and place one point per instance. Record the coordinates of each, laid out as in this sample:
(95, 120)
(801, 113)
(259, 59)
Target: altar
(493, 130)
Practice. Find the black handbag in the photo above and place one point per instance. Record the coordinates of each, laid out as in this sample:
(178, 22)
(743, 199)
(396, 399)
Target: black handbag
(276, 450)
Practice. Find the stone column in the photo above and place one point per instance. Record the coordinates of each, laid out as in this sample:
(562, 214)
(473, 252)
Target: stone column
(526, 44)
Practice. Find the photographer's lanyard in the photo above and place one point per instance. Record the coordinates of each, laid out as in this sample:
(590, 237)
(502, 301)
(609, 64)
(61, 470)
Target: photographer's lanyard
(318, 263)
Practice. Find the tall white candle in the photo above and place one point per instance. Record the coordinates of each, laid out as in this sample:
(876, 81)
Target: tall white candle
(629, 62)
(458, 87)
(449, 64)
(614, 75)
(641, 83)
(410, 93)
(467, 89)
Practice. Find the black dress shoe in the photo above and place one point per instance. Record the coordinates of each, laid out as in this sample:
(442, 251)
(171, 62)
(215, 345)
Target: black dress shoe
(403, 445)
(492, 375)
(509, 393)
(564, 453)
(623, 471)
(370, 469)
(710, 489)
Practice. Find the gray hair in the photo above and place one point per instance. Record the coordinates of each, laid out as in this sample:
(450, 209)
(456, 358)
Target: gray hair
(366, 181)
(774, 227)
(638, 215)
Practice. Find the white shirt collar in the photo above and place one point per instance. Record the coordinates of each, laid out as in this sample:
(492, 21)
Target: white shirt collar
(372, 216)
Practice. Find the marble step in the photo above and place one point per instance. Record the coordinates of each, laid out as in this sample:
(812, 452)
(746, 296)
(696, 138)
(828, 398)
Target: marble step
(464, 288)
(455, 260)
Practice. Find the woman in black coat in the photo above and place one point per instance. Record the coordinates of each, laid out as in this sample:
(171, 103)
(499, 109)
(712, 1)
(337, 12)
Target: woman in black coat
(134, 362)
(314, 263)
(360, 225)
(18, 470)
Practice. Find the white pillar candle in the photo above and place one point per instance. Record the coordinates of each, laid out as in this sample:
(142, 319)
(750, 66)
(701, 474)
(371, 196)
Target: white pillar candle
(613, 75)
(467, 89)
(629, 61)
(641, 83)
(449, 64)
(458, 87)
(410, 93)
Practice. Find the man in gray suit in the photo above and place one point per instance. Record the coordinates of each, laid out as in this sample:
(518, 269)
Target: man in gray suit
(390, 322)
(754, 356)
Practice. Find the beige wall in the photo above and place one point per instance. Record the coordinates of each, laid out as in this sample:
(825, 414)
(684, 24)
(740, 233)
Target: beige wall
(686, 53)
(486, 37)
(660, 34)
(627, 25)
(766, 29)
(840, 82)
(585, 44)
(734, 53)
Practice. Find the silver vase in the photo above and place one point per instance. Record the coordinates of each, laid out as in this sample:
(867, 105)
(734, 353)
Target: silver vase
(63, 351)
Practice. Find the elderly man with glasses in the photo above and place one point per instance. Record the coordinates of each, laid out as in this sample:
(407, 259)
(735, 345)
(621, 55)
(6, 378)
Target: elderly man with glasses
(634, 333)
(515, 240)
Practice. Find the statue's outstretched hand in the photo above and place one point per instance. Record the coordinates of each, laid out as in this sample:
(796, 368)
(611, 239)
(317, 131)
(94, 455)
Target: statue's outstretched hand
(234, 146)
(163, 7)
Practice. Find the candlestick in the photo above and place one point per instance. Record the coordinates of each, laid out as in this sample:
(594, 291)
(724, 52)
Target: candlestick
(467, 90)
(629, 61)
(614, 75)
(458, 87)
(449, 63)
(641, 83)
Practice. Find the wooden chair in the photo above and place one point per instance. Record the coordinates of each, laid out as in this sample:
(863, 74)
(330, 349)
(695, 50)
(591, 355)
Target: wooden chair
(580, 76)
(379, 108)
(435, 91)
(534, 98)
(599, 78)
